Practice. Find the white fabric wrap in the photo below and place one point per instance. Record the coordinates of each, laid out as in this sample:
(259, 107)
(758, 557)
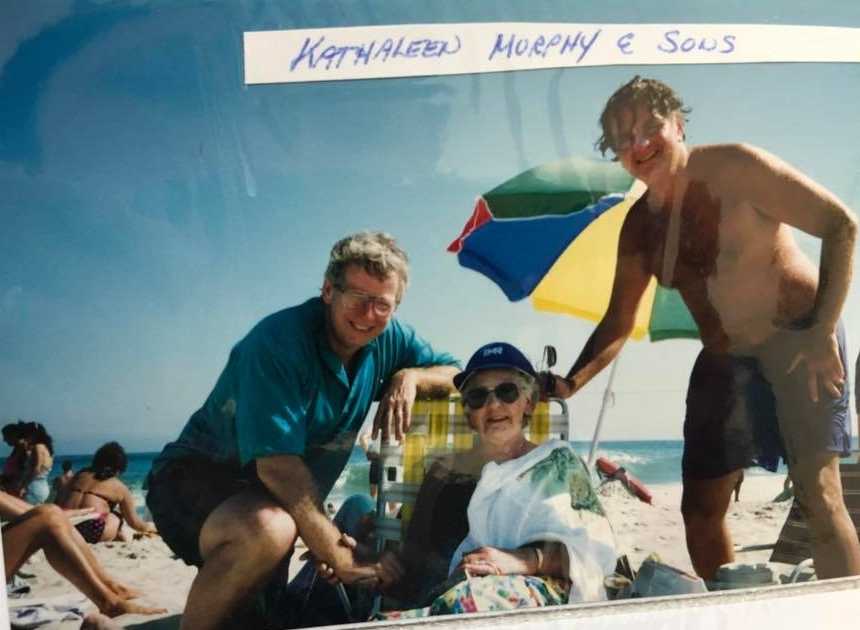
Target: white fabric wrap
(510, 509)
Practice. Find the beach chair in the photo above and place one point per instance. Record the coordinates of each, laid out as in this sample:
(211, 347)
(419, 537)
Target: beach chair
(793, 544)
(438, 428)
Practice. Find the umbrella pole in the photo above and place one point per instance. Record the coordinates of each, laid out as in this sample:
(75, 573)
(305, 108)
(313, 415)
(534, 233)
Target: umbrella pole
(607, 397)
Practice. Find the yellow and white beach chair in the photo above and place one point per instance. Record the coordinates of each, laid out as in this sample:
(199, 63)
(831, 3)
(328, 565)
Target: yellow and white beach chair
(439, 427)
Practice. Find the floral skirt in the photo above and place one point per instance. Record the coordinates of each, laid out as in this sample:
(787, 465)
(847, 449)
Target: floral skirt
(491, 593)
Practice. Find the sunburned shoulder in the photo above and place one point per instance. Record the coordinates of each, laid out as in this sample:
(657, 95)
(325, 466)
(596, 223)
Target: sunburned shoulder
(709, 159)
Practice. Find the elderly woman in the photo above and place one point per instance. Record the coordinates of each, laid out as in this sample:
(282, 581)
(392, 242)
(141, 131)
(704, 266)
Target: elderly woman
(99, 487)
(508, 524)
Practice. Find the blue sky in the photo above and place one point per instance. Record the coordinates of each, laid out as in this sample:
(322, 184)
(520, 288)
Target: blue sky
(155, 208)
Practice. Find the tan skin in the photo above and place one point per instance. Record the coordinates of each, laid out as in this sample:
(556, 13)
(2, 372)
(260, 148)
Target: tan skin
(48, 528)
(714, 224)
(499, 427)
(244, 539)
(75, 495)
(39, 461)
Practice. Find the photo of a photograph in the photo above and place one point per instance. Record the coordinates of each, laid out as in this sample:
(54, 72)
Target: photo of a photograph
(560, 326)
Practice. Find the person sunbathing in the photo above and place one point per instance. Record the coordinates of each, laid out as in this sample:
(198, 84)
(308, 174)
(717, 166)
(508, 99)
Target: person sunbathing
(507, 524)
(48, 528)
(100, 488)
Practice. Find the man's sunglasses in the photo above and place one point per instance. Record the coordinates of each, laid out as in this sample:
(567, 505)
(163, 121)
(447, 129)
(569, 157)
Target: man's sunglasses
(504, 392)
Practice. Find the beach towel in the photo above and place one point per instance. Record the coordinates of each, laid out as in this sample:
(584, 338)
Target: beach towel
(35, 612)
(545, 495)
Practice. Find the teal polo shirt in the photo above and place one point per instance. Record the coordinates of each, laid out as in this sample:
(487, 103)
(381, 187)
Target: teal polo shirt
(284, 392)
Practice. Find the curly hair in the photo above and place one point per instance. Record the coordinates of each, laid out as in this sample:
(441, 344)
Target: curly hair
(654, 94)
(109, 461)
(375, 252)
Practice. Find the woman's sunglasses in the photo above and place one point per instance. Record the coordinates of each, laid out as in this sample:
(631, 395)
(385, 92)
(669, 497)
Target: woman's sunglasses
(505, 392)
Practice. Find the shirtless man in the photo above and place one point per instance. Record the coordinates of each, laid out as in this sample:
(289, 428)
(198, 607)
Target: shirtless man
(770, 380)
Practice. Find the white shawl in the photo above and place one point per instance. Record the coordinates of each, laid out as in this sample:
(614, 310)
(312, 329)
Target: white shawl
(512, 507)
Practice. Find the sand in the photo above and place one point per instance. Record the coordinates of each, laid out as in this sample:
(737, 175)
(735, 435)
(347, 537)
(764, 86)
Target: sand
(641, 529)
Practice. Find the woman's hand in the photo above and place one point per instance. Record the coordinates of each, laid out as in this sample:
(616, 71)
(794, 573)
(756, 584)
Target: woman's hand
(390, 570)
(493, 561)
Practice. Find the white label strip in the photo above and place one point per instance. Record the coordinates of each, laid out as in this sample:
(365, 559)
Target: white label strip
(409, 50)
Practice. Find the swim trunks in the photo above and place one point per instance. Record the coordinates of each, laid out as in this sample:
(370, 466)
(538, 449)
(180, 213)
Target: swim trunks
(182, 494)
(734, 419)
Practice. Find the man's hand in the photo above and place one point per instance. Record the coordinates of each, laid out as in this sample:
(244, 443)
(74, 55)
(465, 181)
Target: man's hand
(493, 561)
(358, 571)
(554, 385)
(395, 409)
(823, 366)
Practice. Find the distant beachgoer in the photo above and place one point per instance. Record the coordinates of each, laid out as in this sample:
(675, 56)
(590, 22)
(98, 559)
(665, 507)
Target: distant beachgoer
(252, 467)
(375, 472)
(16, 461)
(770, 382)
(737, 489)
(46, 527)
(100, 488)
(62, 480)
(372, 456)
(40, 460)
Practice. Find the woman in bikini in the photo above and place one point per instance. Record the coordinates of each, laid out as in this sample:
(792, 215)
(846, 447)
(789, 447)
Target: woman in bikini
(39, 462)
(99, 487)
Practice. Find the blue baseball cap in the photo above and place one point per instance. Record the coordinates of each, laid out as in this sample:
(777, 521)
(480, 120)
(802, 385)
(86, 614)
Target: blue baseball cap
(496, 355)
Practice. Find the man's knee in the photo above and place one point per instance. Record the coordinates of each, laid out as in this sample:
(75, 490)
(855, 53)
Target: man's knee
(820, 500)
(265, 531)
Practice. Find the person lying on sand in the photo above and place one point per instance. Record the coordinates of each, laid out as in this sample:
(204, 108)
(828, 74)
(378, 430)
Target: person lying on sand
(48, 528)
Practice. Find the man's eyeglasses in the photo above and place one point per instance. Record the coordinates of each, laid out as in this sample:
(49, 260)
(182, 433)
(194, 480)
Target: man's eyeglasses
(625, 141)
(357, 301)
(505, 392)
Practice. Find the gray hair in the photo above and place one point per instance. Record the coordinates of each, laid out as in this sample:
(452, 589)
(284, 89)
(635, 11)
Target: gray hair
(375, 252)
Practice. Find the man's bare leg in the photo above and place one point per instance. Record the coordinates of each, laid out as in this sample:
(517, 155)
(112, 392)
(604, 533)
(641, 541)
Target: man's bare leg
(703, 504)
(242, 543)
(818, 488)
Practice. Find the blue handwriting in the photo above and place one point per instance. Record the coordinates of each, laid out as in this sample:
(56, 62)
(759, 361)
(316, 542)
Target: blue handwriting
(673, 42)
(557, 44)
(314, 54)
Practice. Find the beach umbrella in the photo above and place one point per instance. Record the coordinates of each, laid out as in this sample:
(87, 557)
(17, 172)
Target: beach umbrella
(551, 233)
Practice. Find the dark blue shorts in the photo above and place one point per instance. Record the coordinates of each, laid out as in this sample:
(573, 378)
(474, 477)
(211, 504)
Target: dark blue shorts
(734, 404)
(183, 493)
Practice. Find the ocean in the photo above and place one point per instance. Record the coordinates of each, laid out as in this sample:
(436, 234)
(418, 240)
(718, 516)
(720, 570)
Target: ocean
(654, 462)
